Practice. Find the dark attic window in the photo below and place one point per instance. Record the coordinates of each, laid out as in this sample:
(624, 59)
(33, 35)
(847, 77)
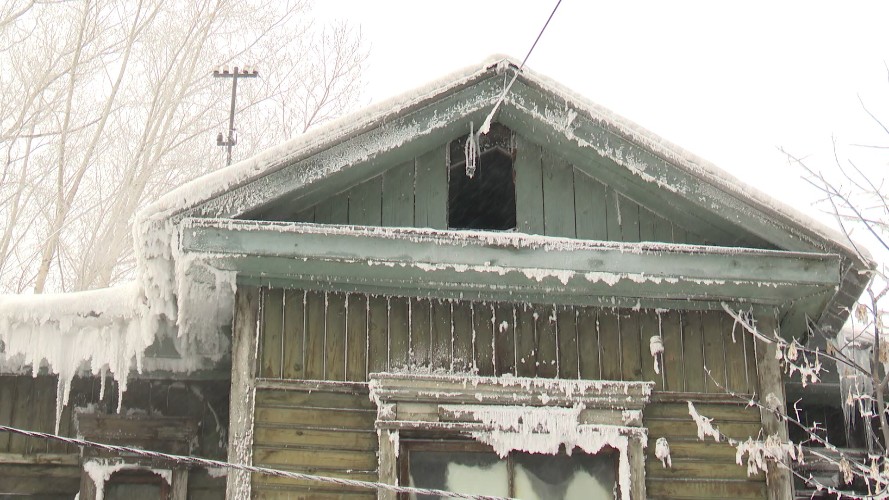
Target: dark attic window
(483, 198)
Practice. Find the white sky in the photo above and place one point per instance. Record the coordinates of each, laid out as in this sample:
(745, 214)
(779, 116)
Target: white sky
(728, 81)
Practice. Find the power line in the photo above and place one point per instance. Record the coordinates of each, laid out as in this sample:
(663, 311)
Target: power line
(487, 123)
(206, 462)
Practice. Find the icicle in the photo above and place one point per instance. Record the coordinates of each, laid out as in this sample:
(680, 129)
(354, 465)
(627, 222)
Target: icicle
(102, 374)
(470, 150)
(662, 452)
(656, 347)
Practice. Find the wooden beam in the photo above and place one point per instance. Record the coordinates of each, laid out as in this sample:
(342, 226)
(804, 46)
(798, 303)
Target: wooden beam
(240, 429)
(771, 388)
(416, 260)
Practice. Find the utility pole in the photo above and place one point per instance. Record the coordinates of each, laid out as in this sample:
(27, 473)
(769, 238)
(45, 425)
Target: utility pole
(232, 132)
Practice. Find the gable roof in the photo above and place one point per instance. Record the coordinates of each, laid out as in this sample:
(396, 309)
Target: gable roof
(311, 167)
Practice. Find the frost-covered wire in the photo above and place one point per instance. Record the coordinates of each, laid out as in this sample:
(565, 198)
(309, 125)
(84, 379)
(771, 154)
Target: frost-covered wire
(486, 126)
(206, 462)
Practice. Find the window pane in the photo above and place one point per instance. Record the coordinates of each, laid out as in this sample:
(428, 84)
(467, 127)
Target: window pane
(563, 477)
(460, 472)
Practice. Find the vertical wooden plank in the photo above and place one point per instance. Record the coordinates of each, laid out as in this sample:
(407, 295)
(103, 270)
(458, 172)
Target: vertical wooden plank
(566, 331)
(462, 330)
(333, 210)
(241, 411)
(377, 334)
(588, 343)
(44, 417)
(356, 338)
(693, 351)
(315, 325)
(674, 367)
(399, 332)
(609, 338)
(680, 235)
(736, 366)
(528, 187)
(714, 351)
(546, 333)
(366, 203)
(526, 341)
(629, 219)
(649, 326)
(612, 215)
(558, 208)
(440, 335)
(272, 333)
(294, 334)
(591, 207)
(307, 215)
(504, 339)
(431, 189)
(420, 332)
(750, 360)
(7, 403)
(771, 383)
(483, 343)
(663, 230)
(21, 413)
(647, 231)
(630, 345)
(398, 196)
(335, 339)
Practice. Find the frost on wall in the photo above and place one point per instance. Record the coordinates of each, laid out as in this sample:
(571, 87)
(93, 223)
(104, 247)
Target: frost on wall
(544, 430)
(100, 471)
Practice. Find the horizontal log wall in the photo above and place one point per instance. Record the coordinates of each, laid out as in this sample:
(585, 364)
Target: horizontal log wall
(552, 198)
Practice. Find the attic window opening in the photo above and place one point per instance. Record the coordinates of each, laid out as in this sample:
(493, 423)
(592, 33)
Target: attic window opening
(486, 200)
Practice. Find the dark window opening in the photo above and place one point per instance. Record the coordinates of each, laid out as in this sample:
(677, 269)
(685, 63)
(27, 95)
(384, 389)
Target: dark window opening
(130, 484)
(486, 198)
(467, 467)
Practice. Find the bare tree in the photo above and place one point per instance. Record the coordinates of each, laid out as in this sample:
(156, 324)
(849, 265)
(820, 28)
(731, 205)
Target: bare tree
(107, 104)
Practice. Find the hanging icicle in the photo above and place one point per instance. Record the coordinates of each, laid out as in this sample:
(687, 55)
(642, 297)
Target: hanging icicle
(470, 150)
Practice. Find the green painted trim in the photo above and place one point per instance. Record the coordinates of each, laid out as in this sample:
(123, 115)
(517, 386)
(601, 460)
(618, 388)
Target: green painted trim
(505, 266)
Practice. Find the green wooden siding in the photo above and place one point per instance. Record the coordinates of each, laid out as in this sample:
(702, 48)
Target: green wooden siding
(348, 336)
(345, 337)
(317, 432)
(553, 198)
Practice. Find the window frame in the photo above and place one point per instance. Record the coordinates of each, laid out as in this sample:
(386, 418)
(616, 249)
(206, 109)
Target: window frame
(446, 407)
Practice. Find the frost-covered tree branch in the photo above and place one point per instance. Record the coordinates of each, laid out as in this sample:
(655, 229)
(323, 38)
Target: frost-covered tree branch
(106, 104)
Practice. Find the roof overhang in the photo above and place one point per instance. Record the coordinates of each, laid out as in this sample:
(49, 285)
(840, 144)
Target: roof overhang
(510, 266)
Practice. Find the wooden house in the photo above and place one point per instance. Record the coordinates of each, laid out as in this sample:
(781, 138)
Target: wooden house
(524, 312)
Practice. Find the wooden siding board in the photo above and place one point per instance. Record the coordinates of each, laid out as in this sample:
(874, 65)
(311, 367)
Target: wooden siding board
(589, 345)
(307, 215)
(463, 335)
(750, 361)
(612, 214)
(649, 326)
(431, 189)
(366, 203)
(504, 339)
(7, 404)
(714, 352)
(558, 208)
(272, 330)
(629, 219)
(420, 341)
(440, 335)
(526, 358)
(21, 413)
(647, 222)
(356, 338)
(483, 344)
(378, 334)
(610, 350)
(315, 325)
(591, 207)
(630, 342)
(674, 367)
(566, 323)
(294, 334)
(693, 351)
(335, 337)
(399, 332)
(333, 210)
(545, 333)
(663, 230)
(398, 196)
(529, 187)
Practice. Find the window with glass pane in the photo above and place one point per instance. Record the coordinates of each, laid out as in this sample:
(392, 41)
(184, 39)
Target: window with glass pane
(523, 475)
